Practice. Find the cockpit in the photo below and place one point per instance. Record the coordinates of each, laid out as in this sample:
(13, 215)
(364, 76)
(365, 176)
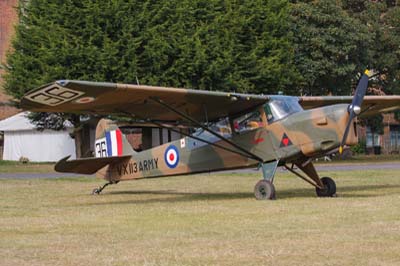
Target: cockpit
(277, 108)
(280, 107)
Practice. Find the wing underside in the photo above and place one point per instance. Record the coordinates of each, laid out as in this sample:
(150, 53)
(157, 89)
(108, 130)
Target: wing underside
(141, 102)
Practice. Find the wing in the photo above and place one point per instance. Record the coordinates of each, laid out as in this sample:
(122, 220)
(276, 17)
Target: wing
(370, 106)
(142, 102)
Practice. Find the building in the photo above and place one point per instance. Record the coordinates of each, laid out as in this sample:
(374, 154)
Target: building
(8, 18)
(388, 142)
(23, 140)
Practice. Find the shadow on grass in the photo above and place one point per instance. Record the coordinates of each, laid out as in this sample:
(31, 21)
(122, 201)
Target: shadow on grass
(173, 196)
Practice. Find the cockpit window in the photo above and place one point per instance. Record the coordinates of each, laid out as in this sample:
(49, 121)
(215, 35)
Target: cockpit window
(221, 127)
(280, 107)
(247, 122)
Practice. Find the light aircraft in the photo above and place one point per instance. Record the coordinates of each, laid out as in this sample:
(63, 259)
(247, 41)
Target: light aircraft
(231, 130)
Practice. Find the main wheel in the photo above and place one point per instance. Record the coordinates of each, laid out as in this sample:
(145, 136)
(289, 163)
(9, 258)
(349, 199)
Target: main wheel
(329, 189)
(264, 190)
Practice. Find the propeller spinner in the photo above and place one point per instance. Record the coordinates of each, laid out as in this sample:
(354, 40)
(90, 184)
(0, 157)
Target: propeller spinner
(355, 106)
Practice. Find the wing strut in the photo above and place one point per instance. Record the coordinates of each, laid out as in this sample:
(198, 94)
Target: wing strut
(196, 123)
(161, 125)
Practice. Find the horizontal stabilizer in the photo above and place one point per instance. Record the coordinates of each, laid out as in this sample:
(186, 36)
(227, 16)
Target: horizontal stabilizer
(86, 165)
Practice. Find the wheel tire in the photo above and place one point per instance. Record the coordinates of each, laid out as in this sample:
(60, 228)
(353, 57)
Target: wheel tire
(264, 190)
(329, 189)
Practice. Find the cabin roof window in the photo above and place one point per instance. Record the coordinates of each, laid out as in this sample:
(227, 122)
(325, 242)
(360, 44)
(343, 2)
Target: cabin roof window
(280, 107)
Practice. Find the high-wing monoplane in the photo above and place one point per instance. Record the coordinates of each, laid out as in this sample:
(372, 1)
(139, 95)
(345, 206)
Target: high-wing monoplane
(220, 130)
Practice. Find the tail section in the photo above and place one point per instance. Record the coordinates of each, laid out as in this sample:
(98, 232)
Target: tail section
(87, 166)
(110, 141)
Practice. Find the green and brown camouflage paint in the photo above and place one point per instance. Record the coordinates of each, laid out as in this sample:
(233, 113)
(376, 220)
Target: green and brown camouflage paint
(308, 133)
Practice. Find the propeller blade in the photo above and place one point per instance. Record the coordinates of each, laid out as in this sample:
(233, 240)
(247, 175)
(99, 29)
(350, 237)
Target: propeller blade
(355, 106)
(346, 132)
(360, 90)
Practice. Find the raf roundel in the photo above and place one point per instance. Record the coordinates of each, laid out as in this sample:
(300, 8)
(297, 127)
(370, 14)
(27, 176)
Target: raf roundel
(171, 156)
(85, 100)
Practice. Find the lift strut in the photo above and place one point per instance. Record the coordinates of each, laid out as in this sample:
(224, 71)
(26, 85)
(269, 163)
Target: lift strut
(198, 124)
(172, 128)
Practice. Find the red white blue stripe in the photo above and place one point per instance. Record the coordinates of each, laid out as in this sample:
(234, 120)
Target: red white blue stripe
(114, 143)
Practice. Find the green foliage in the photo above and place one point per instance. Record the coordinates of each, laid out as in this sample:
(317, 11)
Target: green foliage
(334, 40)
(87, 40)
(210, 45)
(330, 46)
(397, 115)
(375, 123)
(383, 21)
(360, 147)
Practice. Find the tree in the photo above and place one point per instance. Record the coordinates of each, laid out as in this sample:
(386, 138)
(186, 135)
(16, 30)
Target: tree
(211, 45)
(330, 46)
(217, 45)
(383, 21)
(70, 40)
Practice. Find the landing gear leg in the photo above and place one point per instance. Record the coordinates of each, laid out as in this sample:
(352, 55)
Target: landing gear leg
(324, 187)
(97, 191)
(265, 189)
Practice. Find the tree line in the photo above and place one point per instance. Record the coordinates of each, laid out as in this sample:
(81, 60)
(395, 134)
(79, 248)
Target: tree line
(255, 46)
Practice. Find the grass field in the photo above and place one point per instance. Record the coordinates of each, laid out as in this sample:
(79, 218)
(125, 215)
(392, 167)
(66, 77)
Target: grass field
(31, 167)
(201, 220)
(18, 167)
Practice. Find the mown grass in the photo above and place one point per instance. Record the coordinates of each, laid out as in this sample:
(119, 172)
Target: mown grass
(362, 158)
(32, 167)
(201, 220)
(18, 167)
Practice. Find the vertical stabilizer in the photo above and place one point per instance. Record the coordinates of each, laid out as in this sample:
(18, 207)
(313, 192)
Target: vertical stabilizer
(110, 141)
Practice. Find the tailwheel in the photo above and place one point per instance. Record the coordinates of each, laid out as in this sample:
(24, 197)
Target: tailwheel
(264, 190)
(329, 189)
(96, 191)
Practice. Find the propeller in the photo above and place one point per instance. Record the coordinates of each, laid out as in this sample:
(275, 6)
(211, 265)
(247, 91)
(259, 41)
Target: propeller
(354, 108)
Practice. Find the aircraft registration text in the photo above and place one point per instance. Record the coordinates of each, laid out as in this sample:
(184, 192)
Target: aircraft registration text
(140, 166)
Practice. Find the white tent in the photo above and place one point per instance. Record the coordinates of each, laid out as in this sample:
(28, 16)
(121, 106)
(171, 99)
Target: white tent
(22, 139)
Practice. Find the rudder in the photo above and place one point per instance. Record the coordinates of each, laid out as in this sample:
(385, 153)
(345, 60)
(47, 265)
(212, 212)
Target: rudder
(110, 141)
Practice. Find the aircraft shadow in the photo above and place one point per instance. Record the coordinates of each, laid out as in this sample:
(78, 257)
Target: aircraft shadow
(361, 191)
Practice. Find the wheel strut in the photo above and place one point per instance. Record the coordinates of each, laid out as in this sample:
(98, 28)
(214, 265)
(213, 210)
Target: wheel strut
(265, 189)
(313, 183)
(324, 187)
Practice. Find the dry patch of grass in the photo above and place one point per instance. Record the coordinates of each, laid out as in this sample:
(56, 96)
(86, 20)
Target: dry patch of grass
(201, 220)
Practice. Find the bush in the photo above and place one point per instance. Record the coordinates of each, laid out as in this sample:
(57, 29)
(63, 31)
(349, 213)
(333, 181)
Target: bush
(360, 148)
(23, 159)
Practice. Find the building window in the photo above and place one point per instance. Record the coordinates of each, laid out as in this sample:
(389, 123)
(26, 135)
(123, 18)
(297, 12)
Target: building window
(395, 137)
(373, 139)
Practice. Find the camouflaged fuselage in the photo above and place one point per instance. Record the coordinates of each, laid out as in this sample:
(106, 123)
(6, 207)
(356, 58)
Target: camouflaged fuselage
(309, 133)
